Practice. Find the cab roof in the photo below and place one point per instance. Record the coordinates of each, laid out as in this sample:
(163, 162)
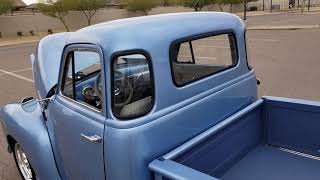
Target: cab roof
(155, 31)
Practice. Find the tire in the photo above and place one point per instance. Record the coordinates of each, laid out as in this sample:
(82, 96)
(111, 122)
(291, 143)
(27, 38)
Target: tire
(24, 167)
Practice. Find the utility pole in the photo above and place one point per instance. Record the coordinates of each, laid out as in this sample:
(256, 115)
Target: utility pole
(270, 5)
(263, 5)
(308, 5)
(245, 10)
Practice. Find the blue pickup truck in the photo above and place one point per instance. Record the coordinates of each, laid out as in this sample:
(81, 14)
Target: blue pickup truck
(159, 97)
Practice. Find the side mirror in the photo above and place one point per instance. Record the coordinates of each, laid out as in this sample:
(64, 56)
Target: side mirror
(29, 104)
(258, 81)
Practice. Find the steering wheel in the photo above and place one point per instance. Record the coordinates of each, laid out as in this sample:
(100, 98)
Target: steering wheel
(98, 86)
(123, 90)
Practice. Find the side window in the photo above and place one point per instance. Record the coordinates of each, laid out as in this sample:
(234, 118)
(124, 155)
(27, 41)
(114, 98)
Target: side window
(82, 78)
(132, 86)
(195, 59)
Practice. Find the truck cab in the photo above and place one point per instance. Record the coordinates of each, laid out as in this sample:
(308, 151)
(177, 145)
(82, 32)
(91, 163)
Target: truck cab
(167, 97)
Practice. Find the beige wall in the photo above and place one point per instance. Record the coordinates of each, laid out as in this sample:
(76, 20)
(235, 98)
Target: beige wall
(10, 25)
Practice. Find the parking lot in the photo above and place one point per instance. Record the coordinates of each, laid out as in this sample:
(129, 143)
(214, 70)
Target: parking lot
(286, 61)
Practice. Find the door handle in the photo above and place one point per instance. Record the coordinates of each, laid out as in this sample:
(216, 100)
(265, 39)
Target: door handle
(94, 138)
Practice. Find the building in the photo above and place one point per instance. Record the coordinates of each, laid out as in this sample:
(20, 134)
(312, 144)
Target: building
(281, 4)
(18, 5)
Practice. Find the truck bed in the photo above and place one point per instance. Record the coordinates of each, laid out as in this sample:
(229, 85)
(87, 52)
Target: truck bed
(266, 162)
(273, 138)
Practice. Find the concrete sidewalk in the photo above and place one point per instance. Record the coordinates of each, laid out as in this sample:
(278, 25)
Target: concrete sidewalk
(313, 10)
(7, 41)
(291, 27)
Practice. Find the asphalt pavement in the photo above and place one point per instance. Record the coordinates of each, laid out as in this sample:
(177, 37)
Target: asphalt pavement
(284, 19)
(286, 61)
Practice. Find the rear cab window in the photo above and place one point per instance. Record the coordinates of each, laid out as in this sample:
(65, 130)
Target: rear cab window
(195, 59)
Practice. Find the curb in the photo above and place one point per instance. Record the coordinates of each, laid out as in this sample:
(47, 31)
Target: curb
(283, 27)
(265, 13)
(19, 43)
(248, 28)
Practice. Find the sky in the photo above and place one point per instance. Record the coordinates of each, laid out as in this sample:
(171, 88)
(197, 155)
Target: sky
(30, 1)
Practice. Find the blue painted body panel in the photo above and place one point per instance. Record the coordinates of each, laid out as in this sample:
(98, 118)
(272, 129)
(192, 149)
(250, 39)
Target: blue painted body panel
(29, 129)
(255, 143)
(47, 62)
(196, 111)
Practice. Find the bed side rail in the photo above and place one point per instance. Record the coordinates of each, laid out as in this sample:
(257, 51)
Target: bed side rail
(167, 169)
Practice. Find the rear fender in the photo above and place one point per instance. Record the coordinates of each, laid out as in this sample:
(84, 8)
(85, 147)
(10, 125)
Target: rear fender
(28, 128)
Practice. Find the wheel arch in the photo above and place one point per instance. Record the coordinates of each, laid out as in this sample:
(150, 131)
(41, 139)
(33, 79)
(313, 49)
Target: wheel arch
(29, 130)
(11, 141)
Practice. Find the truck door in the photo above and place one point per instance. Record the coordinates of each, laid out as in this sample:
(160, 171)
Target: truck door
(76, 115)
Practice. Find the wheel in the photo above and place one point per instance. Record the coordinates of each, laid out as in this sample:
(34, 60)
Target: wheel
(22, 163)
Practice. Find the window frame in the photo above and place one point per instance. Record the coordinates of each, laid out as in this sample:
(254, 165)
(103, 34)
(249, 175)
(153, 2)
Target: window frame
(198, 37)
(246, 48)
(113, 58)
(63, 69)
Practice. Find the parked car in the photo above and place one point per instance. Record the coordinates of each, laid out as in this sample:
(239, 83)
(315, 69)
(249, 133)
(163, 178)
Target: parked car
(159, 97)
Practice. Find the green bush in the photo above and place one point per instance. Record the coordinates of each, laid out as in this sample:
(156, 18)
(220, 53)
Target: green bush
(50, 31)
(143, 6)
(19, 33)
(31, 32)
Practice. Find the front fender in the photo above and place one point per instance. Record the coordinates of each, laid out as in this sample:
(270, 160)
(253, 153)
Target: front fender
(29, 129)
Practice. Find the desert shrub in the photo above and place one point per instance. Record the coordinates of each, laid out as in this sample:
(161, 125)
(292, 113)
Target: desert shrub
(19, 33)
(50, 31)
(31, 32)
(253, 8)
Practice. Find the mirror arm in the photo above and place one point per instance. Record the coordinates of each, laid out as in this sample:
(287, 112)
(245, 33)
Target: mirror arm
(44, 103)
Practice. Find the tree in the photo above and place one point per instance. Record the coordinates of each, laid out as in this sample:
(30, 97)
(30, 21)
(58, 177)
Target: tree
(302, 5)
(232, 2)
(5, 6)
(55, 8)
(221, 3)
(166, 3)
(143, 6)
(245, 4)
(87, 7)
(197, 5)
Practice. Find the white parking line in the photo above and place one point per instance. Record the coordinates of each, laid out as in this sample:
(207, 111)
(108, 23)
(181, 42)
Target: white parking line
(207, 46)
(199, 57)
(266, 40)
(16, 75)
(20, 70)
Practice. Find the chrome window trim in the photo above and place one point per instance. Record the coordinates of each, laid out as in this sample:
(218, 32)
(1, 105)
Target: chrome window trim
(67, 50)
(148, 58)
(198, 37)
(80, 103)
